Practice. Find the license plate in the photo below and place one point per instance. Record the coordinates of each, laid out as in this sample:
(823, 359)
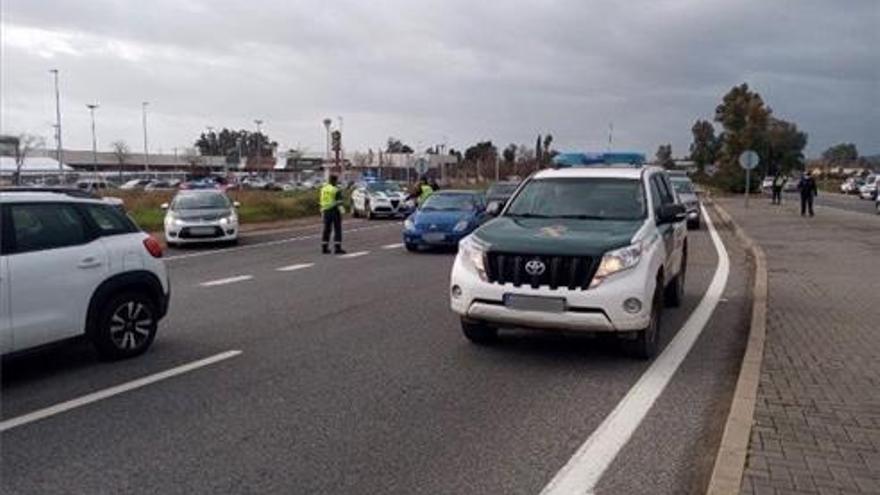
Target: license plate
(535, 303)
(434, 237)
(201, 230)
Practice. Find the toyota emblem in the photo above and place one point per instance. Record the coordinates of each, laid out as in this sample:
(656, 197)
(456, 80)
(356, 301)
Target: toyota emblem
(535, 268)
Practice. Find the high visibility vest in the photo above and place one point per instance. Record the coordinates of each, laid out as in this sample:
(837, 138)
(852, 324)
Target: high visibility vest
(328, 196)
(426, 191)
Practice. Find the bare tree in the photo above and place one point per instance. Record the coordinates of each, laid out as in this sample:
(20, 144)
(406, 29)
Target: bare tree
(122, 152)
(27, 143)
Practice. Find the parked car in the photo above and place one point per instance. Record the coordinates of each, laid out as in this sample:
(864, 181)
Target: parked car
(73, 266)
(159, 185)
(500, 192)
(687, 195)
(790, 184)
(851, 185)
(200, 215)
(869, 188)
(134, 184)
(580, 249)
(444, 219)
(767, 184)
(374, 199)
(93, 185)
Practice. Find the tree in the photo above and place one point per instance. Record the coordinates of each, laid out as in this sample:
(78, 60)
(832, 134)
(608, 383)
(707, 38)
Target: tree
(841, 153)
(121, 152)
(704, 148)
(395, 145)
(745, 118)
(548, 154)
(664, 156)
(509, 153)
(27, 143)
(785, 146)
(193, 159)
(228, 142)
(539, 154)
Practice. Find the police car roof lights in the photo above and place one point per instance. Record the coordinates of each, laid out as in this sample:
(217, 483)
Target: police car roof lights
(602, 158)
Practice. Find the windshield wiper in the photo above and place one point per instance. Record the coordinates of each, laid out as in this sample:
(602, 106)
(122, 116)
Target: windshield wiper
(583, 217)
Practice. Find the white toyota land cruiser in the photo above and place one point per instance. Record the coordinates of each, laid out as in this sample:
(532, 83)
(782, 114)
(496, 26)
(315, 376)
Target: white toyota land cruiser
(586, 249)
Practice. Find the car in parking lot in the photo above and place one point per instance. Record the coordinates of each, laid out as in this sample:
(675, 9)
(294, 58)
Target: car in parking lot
(869, 188)
(444, 219)
(378, 198)
(687, 194)
(200, 215)
(73, 266)
(851, 185)
(582, 249)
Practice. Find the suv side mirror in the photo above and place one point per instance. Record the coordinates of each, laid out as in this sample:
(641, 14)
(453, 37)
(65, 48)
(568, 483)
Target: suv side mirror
(671, 213)
(494, 208)
(164, 206)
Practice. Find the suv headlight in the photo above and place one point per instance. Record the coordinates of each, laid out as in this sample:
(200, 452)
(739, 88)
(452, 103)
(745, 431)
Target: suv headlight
(617, 261)
(461, 226)
(474, 254)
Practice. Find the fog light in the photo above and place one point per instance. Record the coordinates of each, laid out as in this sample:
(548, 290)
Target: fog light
(456, 291)
(632, 305)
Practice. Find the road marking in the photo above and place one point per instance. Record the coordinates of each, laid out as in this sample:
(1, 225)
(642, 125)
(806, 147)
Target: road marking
(293, 268)
(115, 390)
(356, 254)
(584, 470)
(225, 281)
(393, 246)
(271, 243)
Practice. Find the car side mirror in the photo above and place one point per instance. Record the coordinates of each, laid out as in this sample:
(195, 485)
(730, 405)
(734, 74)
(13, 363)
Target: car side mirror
(671, 213)
(494, 208)
(164, 206)
(236, 204)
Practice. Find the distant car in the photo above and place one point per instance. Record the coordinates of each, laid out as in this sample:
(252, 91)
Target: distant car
(203, 215)
(93, 185)
(500, 192)
(374, 199)
(851, 185)
(877, 203)
(134, 184)
(159, 185)
(869, 188)
(684, 188)
(767, 184)
(790, 185)
(444, 219)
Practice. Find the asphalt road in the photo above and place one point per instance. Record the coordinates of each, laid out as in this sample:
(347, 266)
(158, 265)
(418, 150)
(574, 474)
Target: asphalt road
(354, 378)
(839, 201)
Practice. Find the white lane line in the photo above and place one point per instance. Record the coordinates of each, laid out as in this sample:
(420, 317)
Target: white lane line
(393, 246)
(356, 254)
(115, 390)
(225, 281)
(293, 268)
(272, 243)
(584, 470)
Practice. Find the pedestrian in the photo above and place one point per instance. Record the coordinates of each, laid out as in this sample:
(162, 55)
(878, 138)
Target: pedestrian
(808, 189)
(434, 185)
(422, 191)
(330, 200)
(776, 187)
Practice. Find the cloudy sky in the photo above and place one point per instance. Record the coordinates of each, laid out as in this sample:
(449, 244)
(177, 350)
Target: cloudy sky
(451, 71)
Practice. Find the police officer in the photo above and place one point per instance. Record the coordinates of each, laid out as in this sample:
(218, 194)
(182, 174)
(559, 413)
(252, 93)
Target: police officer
(422, 191)
(808, 189)
(330, 200)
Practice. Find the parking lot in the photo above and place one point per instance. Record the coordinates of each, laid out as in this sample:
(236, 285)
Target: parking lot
(349, 374)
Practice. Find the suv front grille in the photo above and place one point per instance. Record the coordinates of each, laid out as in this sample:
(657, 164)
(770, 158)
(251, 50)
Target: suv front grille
(572, 272)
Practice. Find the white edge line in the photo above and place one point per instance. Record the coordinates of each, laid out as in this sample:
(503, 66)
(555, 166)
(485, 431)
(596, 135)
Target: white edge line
(356, 254)
(224, 281)
(393, 246)
(584, 470)
(115, 390)
(292, 268)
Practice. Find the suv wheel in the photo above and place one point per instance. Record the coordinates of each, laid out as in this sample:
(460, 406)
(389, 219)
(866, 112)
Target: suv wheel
(645, 345)
(479, 332)
(675, 290)
(126, 326)
(368, 212)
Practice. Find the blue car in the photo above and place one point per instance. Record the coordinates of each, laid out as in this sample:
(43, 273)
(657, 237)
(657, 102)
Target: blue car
(444, 219)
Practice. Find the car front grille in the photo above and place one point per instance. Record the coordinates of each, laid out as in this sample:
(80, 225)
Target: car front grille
(571, 272)
(186, 233)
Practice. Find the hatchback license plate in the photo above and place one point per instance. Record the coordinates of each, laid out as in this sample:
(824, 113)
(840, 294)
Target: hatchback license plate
(201, 230)
(535, 303)
(434, 237)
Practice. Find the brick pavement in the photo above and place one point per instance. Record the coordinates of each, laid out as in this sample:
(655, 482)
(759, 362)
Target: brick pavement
(816, 427)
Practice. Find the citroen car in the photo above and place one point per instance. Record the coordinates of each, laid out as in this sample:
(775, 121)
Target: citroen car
(201, 215)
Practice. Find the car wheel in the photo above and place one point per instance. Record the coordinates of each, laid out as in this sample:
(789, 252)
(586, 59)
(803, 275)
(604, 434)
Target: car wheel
(694, 224)
(479, 332)
(126, 326)
(675, 290)
(645, 345)
(368, 211)
(411, 247)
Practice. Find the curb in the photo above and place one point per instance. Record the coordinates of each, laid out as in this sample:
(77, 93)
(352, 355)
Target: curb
(730, 461)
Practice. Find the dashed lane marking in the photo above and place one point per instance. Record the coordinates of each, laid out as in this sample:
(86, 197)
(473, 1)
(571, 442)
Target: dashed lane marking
(293, 268)
(393, 246)
(356, 254)
(226, 281)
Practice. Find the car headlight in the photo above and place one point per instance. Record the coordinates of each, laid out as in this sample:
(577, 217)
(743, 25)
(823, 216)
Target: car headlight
(617, 261)
(461, 226)
(228, 219)
(474, 254)
(408, 224)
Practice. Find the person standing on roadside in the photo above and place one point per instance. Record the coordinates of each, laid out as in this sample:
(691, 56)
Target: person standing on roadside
(421, 192)
(776, 187)
(330, 201)
(808, 189)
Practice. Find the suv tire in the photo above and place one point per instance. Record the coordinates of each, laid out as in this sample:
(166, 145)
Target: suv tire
(413, 248)
(126, 326)
(674, 294)
(479, 332)
(647, 341)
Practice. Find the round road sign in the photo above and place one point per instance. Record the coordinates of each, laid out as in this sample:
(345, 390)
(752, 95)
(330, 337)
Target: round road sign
(748, 159)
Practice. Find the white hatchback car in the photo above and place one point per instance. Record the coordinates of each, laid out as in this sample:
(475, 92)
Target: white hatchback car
(201, 215)
(73, 266)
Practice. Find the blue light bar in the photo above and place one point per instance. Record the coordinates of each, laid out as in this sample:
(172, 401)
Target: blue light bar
(582, 159)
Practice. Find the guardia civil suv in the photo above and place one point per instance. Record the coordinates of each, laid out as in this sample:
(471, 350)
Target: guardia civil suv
(579, 249)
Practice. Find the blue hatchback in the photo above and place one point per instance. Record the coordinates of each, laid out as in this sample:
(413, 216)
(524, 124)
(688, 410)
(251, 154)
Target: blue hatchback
(444, 219)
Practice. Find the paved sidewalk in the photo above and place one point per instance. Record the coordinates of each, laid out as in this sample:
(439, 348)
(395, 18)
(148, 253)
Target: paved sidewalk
(817, 419)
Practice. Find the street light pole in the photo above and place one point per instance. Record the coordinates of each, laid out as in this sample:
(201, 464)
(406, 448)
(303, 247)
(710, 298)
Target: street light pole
(146, 148)
(257, 139)
(59, 154)
(92, 107)
(327, 123)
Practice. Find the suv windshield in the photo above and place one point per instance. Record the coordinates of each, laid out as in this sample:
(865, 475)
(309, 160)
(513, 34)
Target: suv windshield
(683, 186)
(501, 189)
(587, 198)
(450, 202)
(200, 202)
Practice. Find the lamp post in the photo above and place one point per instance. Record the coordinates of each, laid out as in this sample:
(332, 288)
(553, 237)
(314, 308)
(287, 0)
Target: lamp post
(59, 154)
(92, 107)
(327, 123)
(146, 147)
(257, 140)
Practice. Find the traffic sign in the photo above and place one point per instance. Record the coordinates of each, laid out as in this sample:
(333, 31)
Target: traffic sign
(748, 160)
(421, 166)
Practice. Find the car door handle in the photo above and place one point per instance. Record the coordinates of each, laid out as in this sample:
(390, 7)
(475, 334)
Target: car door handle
(89, 262)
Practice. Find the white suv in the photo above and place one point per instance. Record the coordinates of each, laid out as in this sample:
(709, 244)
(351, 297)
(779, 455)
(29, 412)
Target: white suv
(576, 249)
(73, 266)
